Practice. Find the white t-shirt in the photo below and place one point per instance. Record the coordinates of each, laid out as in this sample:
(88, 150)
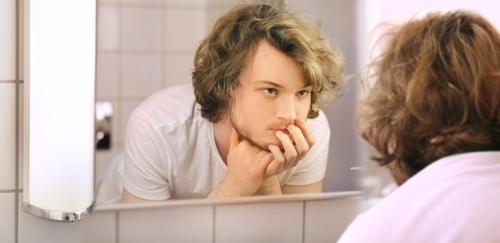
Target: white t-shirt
(455, 199)
(170, 152)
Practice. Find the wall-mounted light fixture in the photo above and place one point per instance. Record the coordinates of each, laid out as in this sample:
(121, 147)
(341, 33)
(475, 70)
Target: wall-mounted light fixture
(59, 104)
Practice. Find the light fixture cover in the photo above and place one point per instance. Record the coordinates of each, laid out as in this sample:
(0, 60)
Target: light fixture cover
(59, 108)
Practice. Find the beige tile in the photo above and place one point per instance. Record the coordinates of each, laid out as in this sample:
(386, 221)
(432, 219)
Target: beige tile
(98, 227)
(261, 222)
(174, 224)
(141, 29)
(108, 27)
(8, 40)
(7, 218)
(108, 73)
(144, 2)
(192, 3)
(141, 75)
(326, 220)
(8, 136)
(178, 69)
(184, 29)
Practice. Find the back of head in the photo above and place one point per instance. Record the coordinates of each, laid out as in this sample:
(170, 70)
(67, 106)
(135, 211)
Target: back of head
(223, 53)
(436, 93)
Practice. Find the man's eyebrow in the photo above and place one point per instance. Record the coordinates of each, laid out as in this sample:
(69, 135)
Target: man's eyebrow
(279, 85)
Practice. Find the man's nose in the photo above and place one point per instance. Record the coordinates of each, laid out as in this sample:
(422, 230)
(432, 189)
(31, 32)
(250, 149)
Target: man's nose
(286, 110)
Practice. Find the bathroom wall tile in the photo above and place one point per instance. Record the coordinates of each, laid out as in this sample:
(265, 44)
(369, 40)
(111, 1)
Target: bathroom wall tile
(325, 221)
(141, 74)
(108, 73)
(184, 29)
(8, 135)
(7, 218)
(98, 227)
(108, 27)
(143, 2)
(213, 12)
(178, 69)
(141, 29)
(174, 224)
(127, 106)
(261, 222)
(191, 3)
(8, 40)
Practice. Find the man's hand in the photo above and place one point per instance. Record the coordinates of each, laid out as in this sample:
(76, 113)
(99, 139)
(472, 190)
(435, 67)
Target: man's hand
(295, 146)
(246, 167)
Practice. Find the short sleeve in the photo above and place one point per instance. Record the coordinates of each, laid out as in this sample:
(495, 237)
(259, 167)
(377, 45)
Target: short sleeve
(312, 167)
(144, 174)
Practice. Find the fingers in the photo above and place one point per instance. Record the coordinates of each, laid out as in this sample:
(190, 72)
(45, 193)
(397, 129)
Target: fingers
(264, 162)
(290, 152)
(277, 165)
(299, 139)
(302, 125)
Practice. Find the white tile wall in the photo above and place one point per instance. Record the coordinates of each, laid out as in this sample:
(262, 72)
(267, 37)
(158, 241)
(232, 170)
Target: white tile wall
(7, 217)
(144, 2)
(141, 74)
(8, 40)
(262, 222)
(108, 74)
(175, 224)
(8, 135)
(184, 29)
(326, 220)
(141, 29)
(187, 2)
(178, 69)
(108, 27)
(99, 227)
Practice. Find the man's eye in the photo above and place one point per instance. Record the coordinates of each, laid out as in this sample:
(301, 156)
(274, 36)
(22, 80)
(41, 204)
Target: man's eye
(271, 91)
(304, 93)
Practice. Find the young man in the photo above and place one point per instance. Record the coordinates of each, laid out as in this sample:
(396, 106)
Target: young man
(243, 127)
(434, 116)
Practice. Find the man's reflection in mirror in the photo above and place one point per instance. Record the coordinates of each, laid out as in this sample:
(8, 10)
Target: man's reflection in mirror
(249, 124)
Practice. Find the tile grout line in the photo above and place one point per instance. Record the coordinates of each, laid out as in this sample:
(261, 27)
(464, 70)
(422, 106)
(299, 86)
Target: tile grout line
(303, 221)
(8, 191)
(117, 226)
(163, 48)
(17, 127)
(214, 209)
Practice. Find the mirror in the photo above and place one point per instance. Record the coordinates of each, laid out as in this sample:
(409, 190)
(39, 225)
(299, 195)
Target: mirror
(146, 47)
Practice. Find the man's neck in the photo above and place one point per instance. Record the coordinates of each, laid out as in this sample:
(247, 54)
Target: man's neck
(222, 135)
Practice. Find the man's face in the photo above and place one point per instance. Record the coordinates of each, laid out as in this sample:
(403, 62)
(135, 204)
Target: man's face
(270, 95)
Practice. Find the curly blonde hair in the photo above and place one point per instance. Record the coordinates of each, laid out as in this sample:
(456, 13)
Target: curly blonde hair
(436, 91)
(223, 53)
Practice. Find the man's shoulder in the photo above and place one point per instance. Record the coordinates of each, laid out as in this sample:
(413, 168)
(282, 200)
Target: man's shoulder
(319, 125)
(170, 105)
